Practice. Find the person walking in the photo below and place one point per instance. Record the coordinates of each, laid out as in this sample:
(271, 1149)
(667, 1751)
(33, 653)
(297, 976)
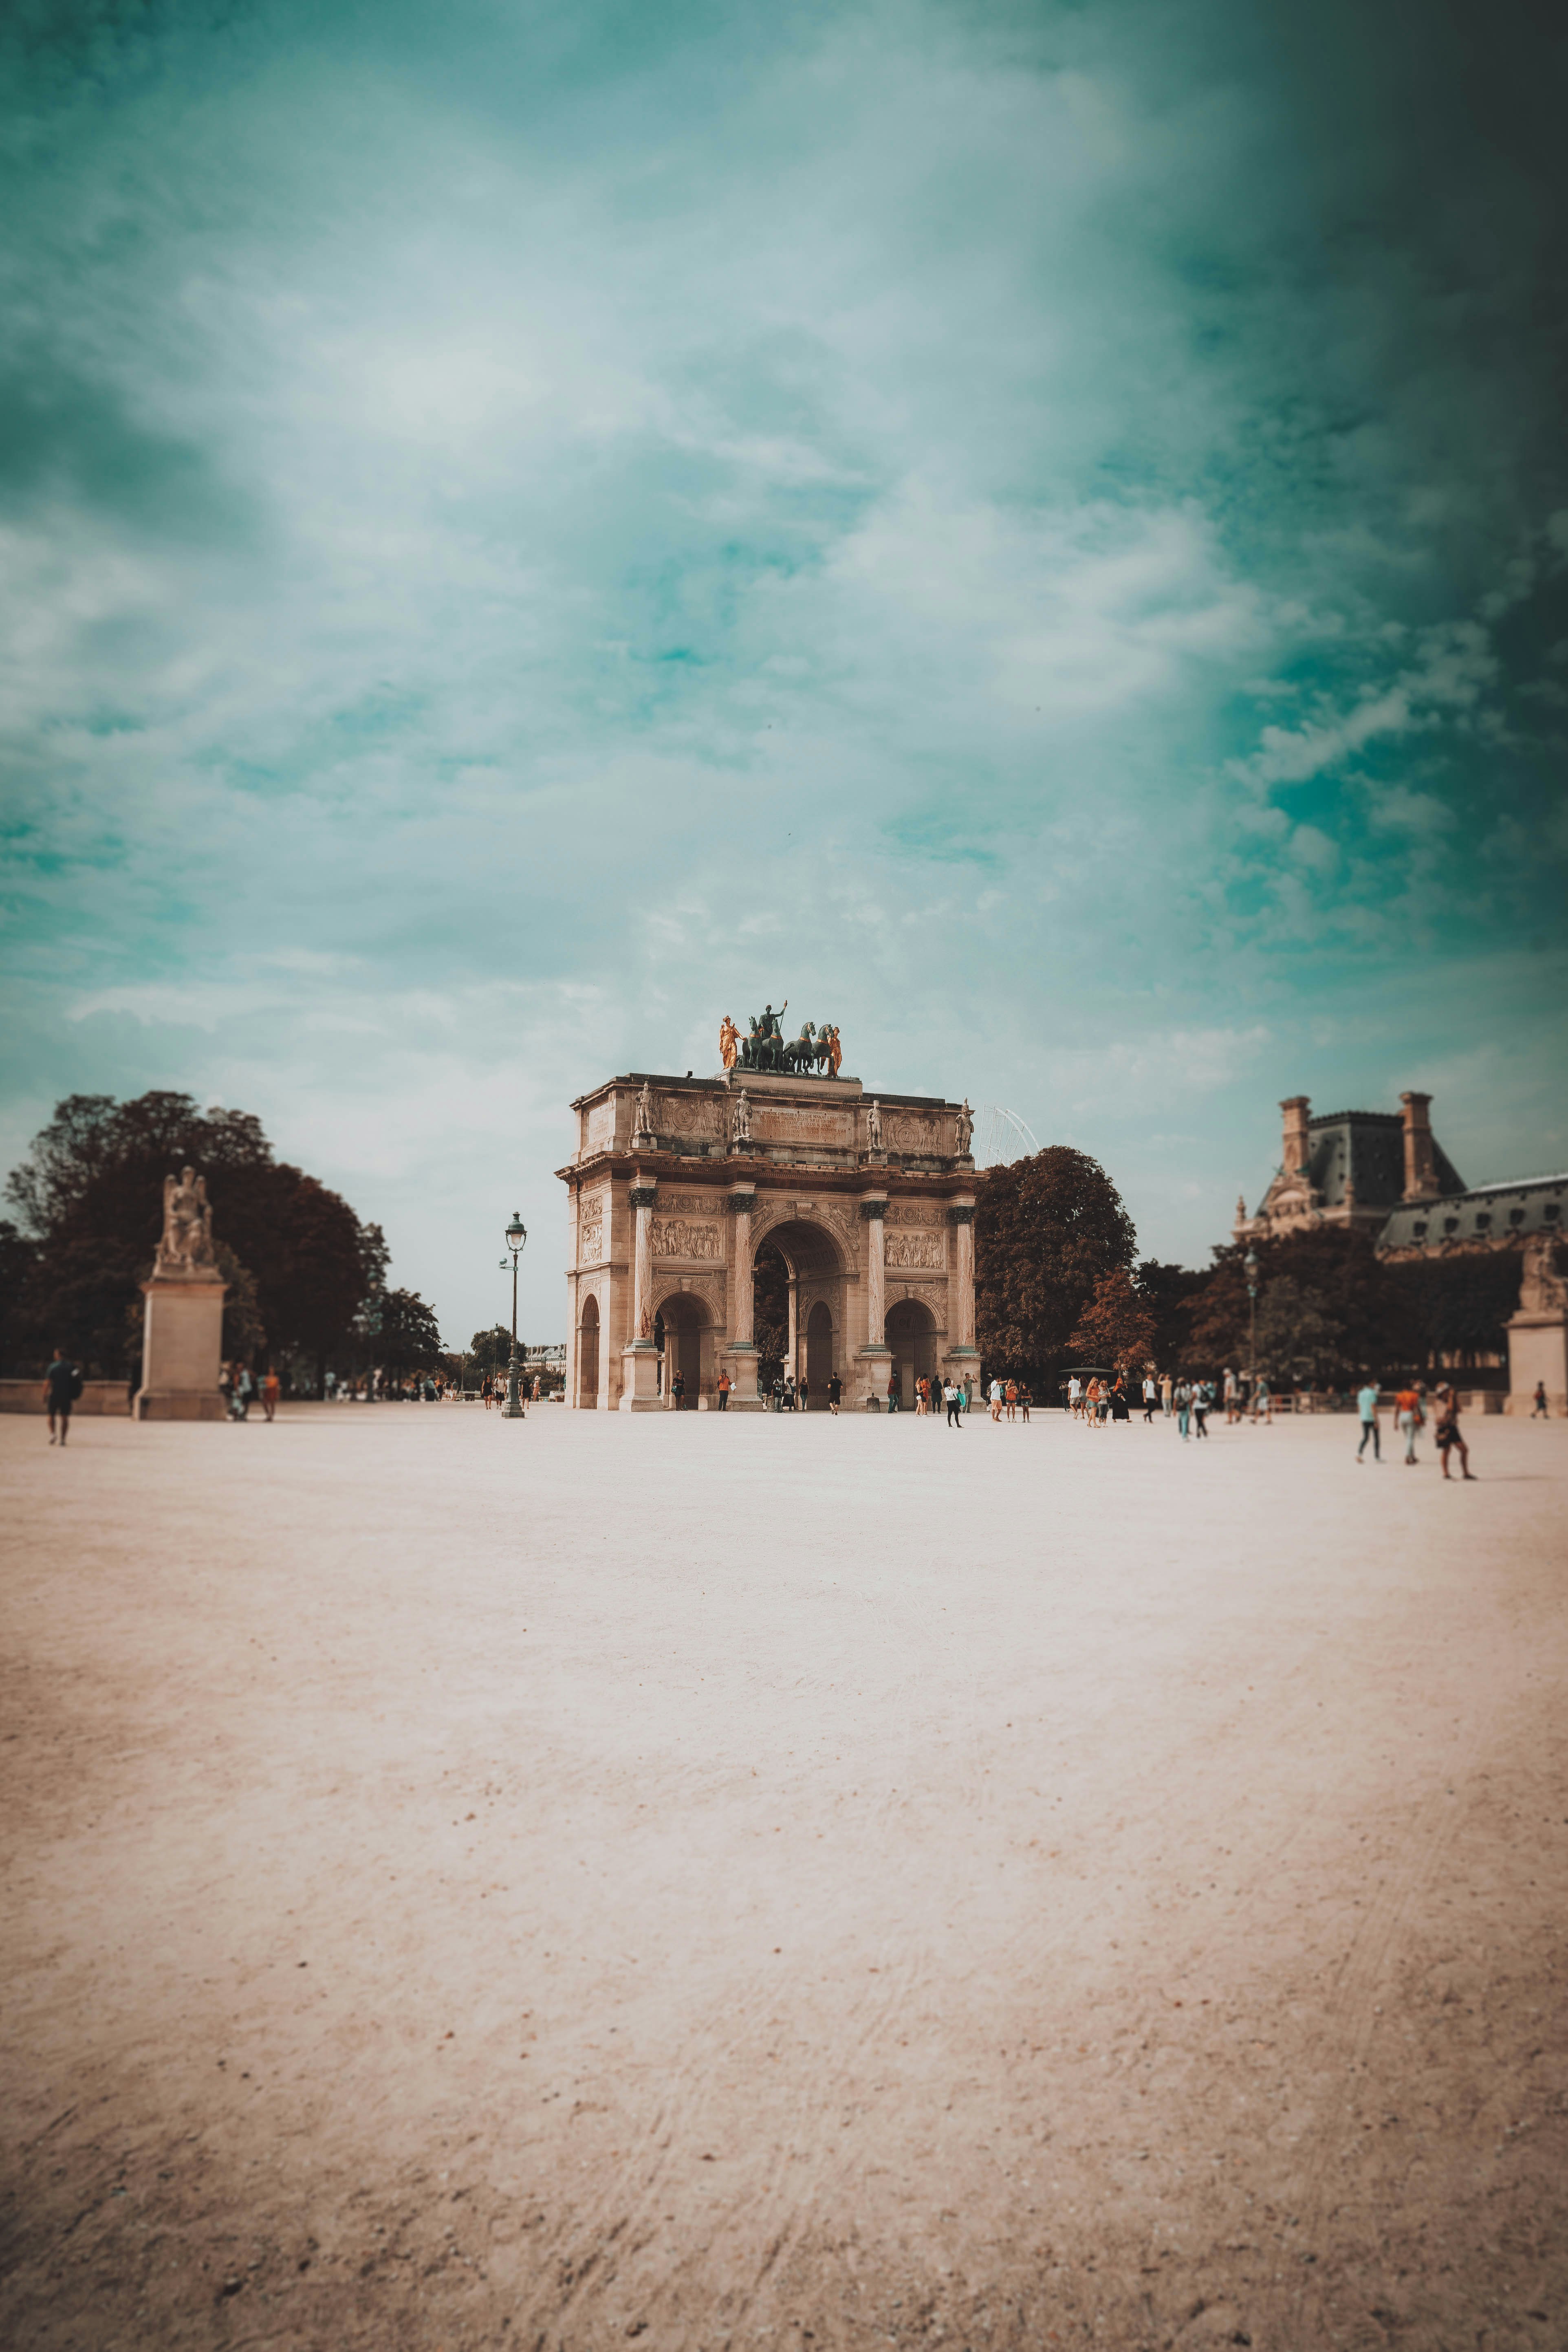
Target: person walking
(1447, 1433)
(995, 1400)
(1229, 1397)
(1263, 1399)
(1151, 1399)
(835, 1391)
(1366, 1405)
(271, 1389)
(951, 1396)
(1011, 1394)
(1539, 1409)
(922, 1396)
(62, 1386)
(1025, 1398)
(1184, 1403)
(1408, 1416)
(678, 1391)
(1075, 1396)
(1166, 1392)
(1201, 1403)
(723, 1391)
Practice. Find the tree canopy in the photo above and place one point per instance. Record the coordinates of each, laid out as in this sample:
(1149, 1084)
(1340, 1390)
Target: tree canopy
(1048, 1230)
(88, 1198)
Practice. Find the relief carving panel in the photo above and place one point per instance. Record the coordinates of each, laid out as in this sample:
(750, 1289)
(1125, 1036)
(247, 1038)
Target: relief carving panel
(915, 1249)
(591, 1229)
(681, 1238)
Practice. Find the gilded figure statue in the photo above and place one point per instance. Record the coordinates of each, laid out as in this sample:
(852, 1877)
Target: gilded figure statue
(728, 1041)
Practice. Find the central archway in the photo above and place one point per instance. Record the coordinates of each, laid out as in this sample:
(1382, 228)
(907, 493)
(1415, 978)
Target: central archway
(910, 1327)
(810, 1340)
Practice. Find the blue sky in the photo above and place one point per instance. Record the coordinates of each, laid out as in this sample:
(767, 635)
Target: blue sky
(1038, 533)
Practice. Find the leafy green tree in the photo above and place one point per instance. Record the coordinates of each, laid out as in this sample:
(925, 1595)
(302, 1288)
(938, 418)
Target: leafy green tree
(1298, 1340)
(1168, 1292)
(1116, 1327)
(408, 1336)
(491, 1351)
(90, 1197)
(1455, 1308)
(18, 1256)
(1046, 1230)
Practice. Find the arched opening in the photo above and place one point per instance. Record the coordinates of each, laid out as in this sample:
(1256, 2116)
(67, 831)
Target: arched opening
(910, 1330)
(588, 1354)
(820, 1354)
(793, 1257)
(678, 1331)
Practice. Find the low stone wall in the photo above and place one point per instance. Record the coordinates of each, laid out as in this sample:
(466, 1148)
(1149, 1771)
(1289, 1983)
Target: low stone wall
(97, 1397)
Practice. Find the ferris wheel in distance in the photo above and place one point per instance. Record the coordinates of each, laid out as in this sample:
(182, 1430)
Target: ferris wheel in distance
(1000, 1136)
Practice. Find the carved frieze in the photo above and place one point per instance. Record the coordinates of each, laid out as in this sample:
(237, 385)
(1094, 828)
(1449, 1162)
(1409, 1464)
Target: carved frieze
(684, 1237)
(686, 1115)
(912, 1249)
(910, 1132)
(912, 1213)
(591, 1229)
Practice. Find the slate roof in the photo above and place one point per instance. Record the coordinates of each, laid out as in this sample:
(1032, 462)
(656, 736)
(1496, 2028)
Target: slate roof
(1493, 1212)
(1368, 1148)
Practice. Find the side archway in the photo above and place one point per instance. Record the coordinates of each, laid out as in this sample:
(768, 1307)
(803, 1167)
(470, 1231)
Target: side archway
(588, 1354)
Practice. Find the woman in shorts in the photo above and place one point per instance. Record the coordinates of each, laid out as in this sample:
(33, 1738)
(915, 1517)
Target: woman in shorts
(1447, 1433)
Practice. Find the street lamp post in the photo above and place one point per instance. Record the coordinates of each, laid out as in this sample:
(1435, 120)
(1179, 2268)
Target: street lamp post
(516, 1239)
(1250, 1266)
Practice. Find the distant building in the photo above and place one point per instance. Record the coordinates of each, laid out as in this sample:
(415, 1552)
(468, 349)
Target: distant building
(1349, 1168)
(1385, 1173)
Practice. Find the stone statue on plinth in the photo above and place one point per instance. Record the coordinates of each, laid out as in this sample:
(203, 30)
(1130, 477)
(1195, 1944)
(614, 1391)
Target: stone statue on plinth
(728, 1041)
(645, 1110)
(182, 1331)
(741, 1119)
(186, 1247)
(874, 1127)
(965, 1128)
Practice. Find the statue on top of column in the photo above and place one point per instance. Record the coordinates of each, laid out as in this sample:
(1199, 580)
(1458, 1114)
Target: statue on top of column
(185, 1245)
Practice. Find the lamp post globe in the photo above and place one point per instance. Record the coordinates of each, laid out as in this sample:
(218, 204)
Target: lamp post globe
(516, 1241)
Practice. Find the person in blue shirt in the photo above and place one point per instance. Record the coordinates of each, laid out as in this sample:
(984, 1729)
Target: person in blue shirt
(1366, 1404)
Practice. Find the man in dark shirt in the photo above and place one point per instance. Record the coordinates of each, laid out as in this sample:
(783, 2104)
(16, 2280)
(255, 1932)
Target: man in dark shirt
(60, 1394)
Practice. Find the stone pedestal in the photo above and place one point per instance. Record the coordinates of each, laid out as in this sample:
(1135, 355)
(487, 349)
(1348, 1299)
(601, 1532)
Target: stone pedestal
(875, 1365)
(1538, 1350)
(742, 1358)
(182, 1347)
(640, 1378)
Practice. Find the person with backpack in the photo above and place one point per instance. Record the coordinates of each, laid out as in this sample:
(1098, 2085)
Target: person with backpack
(951, 1396)
(835, 1391)
(62, 1386)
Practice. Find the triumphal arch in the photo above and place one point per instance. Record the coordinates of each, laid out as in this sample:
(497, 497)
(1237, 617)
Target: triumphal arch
(678, 1182)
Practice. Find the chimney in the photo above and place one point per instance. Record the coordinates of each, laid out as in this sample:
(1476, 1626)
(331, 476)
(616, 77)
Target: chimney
(1297, 1146)
(1420, 1158)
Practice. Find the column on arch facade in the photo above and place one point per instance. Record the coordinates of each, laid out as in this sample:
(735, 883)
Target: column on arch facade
(962, 1355)
(741, 1349)
(639, 1358)
(876, 1356)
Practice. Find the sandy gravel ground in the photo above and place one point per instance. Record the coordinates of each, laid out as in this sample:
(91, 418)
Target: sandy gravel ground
(784, 1883)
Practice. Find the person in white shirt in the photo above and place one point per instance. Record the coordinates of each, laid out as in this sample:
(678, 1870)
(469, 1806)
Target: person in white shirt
(1151, 1398)
(1075, 1394)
